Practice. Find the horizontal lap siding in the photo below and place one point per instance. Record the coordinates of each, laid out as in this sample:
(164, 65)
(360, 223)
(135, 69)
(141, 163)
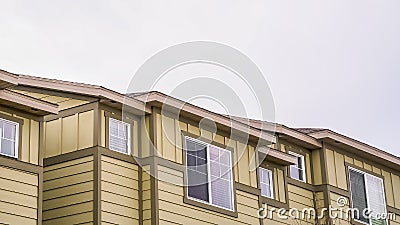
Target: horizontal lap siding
(300, 199)
(18, 197)
(119, 192)
(68, 192)
(172, 210)
(334, 203)
(146, 195)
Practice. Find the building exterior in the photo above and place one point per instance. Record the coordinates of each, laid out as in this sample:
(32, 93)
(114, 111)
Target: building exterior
(74, 153)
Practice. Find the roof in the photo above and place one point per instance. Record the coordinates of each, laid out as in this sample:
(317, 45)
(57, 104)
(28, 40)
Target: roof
(12, 87)
(26, 82)
(309, 130)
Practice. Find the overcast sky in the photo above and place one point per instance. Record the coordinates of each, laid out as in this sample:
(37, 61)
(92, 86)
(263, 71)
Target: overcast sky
(332, 64)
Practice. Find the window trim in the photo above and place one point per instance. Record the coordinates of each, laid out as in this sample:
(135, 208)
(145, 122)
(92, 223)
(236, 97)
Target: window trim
(303, 167)
(129, 136)
(186, 200)
(364, 173)
(271, 182)
(18, 135)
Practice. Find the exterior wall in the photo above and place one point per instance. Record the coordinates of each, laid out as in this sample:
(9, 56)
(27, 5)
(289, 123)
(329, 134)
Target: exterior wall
(169, 141)
(30, 137)
(69, 133)
(119, 192)
(68, 192)
(172, 209)
(19, 197)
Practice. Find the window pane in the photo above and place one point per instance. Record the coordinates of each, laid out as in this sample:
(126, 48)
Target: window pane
(221, 193)
(358, 194)
(221, 179)
(9, 131)
(197, 175)
(8, 147)
(294, 172)
(119, 135)
(376, 201)
(265, 182)
(197, 185)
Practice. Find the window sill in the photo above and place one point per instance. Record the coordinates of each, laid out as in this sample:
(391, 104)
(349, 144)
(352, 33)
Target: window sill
(210, 207)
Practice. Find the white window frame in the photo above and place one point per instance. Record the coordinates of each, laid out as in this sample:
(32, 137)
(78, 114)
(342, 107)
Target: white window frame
(271, 184)
(209, 202)
(16, 144)
(128, 152)
(303, 166)
(366, 192)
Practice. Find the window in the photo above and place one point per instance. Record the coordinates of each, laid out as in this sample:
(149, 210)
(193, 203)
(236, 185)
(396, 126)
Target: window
(266, 183)
(367, 192)
(120, 133)
(209, 174)
(298, 171)
(9, 134)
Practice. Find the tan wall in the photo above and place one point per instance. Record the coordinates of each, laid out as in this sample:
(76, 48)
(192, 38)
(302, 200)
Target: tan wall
(169, 146)
(146, 195)
(172, 210)
(319, 205)
(69, 133)
(301, 198)
(333, 202)
(337, 176)
(18, 197)
(279, 185)
(68, 192)
(30, 139)
(119, 192)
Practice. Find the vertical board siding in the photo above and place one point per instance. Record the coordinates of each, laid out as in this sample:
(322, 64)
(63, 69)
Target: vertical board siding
(119, 192)
(69, 133)
(68, 192)
(169, 146)
(172, 210)
(19, 196)
(316, 165)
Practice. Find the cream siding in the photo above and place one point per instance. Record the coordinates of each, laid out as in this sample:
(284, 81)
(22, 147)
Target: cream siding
(119, 192)
(69, 133)
(68, 192)
(300, 198)
(172, 210)
(19, 193)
